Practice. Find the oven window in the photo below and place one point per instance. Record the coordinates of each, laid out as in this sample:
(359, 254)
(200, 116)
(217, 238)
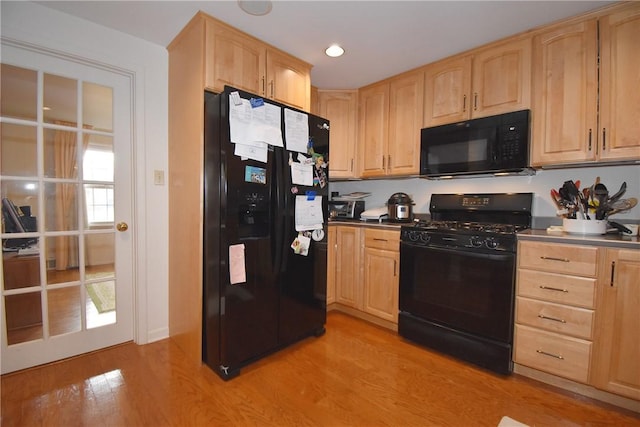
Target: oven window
(467, 291)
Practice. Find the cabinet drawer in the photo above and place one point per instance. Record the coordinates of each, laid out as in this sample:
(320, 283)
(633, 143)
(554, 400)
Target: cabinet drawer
(382, 239)
(563, 319)
(558, 258)
(549, 352)
(558, 288)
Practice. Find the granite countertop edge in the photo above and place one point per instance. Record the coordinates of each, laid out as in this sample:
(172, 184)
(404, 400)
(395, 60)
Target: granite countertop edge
(610, 240)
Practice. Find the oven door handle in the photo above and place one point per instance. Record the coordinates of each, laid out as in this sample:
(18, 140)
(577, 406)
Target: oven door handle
(501, 256)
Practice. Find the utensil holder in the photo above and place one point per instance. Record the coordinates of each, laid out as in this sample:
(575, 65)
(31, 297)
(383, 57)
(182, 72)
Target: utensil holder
(584, 226)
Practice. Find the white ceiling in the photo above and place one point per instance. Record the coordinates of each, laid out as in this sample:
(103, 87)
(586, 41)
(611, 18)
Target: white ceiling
(381, 38)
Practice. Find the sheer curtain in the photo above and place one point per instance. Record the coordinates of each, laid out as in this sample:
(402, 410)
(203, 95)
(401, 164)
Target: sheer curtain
(66, 166)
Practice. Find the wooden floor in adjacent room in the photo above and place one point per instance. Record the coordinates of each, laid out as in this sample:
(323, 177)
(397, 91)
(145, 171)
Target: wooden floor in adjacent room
(355, 375)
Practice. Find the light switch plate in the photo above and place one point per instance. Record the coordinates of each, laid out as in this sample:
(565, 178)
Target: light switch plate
(158, 177)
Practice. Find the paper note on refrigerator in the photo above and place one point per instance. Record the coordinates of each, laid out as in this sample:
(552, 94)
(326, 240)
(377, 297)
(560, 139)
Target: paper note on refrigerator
(296, 130)
(255, 152)
(301, 174)
(237, 271)
(308, 214)
(249, 125)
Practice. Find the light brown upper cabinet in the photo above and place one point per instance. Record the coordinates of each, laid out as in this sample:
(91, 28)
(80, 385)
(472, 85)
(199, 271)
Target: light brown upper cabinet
(619, 85)
(487, 81)
(340, 107)
(565, 87)
(390, 119)
(236, 59)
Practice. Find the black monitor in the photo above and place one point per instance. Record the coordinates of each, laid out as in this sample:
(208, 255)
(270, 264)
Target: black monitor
(15, 221)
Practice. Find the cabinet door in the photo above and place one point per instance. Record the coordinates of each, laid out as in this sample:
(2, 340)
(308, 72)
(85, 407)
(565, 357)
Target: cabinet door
(616, 366)
(332, 257)
(341, 109)
(406, 95)
(447, 89)
(502, 78)
(619, 81)
(233, 59)
(288, 80)
(381, 281)
(373, 130)
(347, 263)
(565, 95)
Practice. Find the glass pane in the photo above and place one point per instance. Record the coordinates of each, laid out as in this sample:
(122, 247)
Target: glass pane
(18, 150)
(99, 204)
(60, 153)
(19, 207)
(99, 256)
(63, 259)
(60, 100)
(101, 303)
(19, 90)
(20, 271)
(24, 317)
(64, 310)
(97, 107)
(61, 204)
(98, 159)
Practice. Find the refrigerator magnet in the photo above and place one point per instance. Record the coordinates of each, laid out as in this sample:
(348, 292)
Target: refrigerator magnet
(317, 234)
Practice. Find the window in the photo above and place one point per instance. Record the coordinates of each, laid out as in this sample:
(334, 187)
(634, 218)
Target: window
(98, 167)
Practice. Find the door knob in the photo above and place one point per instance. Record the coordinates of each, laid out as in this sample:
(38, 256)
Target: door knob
(122, 226)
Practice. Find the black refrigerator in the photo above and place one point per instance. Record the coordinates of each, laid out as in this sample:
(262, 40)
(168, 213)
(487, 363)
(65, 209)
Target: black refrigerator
(264, 282)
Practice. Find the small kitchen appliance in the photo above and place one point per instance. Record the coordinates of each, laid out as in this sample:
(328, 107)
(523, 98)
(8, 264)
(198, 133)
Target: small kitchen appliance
(345, 209)
(457, 276)
(488, 145)
(400, 206)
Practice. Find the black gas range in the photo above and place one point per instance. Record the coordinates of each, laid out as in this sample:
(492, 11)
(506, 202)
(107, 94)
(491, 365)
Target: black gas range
(457, 276)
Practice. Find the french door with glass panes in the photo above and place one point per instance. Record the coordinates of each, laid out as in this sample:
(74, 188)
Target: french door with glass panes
(65, 181)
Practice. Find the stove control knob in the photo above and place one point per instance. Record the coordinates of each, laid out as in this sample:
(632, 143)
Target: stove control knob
(414, 236)
(476, 241)
(425, 237)
(491, 243)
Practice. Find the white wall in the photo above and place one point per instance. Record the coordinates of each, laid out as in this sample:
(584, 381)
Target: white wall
(541, 184)
(39, 25)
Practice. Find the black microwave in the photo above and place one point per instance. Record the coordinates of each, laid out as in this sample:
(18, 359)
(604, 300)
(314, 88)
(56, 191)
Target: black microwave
(488, 145)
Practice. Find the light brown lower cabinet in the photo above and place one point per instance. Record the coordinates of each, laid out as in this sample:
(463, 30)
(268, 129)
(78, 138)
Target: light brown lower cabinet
(381, 263)
(615, 366)
(578, 314)
(364, 268)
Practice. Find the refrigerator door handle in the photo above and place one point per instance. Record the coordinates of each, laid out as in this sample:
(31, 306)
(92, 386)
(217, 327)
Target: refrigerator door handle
(286, 210)
(277, 190)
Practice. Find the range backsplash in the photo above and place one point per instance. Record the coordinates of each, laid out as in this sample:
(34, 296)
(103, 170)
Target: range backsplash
(541, 183)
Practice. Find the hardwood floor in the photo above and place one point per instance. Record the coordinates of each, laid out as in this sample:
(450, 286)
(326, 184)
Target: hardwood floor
(356, 374)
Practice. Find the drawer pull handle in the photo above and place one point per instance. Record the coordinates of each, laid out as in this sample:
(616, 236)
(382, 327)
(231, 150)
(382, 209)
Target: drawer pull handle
(549, 288)
(550, 354)
(379, 240)
(555, 319)
(550, 258)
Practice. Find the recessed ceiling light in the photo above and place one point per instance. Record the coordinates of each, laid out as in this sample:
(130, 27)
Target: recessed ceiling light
(334, 51)
(254, 7)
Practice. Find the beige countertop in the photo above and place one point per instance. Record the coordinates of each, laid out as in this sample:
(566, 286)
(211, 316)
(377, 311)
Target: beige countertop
(611, 240)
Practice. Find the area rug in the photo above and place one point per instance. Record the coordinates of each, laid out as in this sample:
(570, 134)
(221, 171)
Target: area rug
(103, 295)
